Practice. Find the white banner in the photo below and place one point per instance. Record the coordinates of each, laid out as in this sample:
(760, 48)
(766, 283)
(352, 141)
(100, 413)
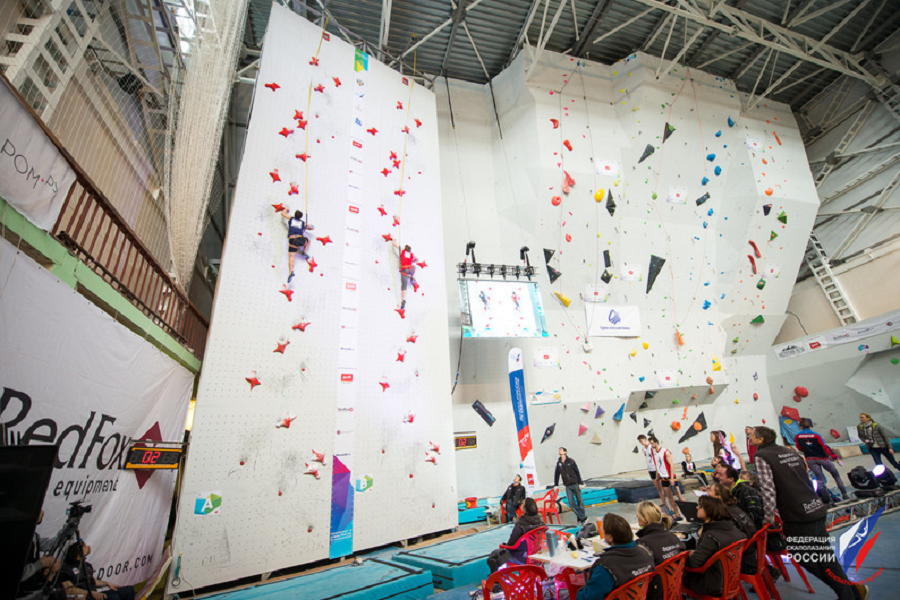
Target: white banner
(613, 321)
(34, 176)
(845, 335)
(71, 375)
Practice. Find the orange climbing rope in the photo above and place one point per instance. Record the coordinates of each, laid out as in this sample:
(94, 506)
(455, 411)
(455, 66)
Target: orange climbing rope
(412, 83)
(306, 129)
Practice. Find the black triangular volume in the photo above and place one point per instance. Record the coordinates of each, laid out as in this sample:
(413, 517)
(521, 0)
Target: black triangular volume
(656, 264)
(635, 450)
(648, 395)
(767, 208)
(647, 424)
(606, 277)
(643, 405)
(553, 273)
(650, 433)
(548, 254)
(669, 130)
(633, 416)
(647, 152)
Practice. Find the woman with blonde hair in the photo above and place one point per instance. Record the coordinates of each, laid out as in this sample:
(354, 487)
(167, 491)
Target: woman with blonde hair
(655, 537)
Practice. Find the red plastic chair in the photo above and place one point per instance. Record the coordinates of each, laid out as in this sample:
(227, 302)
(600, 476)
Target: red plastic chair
(777, 558)
(636, 589)
(762, 581)
(503, 519)
(730, 558)
(547, 506)
(519, 582)
(671, 573)
(535, 542)
(572, 581)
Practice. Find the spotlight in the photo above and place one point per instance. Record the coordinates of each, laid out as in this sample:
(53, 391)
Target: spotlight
(470, 249)
(490, 270)
(461, 267)
(503, 271)
(476, 267)
(885, 478)
(518, 272)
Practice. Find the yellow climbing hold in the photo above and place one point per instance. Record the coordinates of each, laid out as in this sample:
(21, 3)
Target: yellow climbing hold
(716, 366)
(646, 345)
(563, 298)
(598, 195)
(633, 352)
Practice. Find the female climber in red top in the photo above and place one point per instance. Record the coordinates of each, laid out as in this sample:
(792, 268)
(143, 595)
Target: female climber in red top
(407, 272)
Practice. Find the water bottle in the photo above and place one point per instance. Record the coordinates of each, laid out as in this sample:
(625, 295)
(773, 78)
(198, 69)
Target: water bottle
(550, 547)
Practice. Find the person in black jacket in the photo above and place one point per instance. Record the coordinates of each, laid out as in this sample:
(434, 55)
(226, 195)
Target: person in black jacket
(718, 532)
(82, 583)
(785, 485)
(513, 498)
(742, 521)
(618, 564)
(654, 535)
(530, 520)
(568, 470)
(747, 497)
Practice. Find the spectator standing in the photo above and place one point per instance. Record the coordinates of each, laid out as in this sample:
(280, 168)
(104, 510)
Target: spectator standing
(876, 440)
(568, 471)
(785, 486)
(665, 472)
(651, 466)
(818, 457)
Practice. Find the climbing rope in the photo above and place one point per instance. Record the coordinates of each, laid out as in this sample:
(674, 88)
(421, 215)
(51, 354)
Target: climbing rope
(412, 83)
(306, 129)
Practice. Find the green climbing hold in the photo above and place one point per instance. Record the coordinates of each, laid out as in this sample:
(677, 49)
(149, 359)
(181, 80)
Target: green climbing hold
(895, 361)
(654, 195)
(761, 284)
(676, 401)
(735, 340)
(894, 341)
(783, 217)
(772, 236)
(759, 320)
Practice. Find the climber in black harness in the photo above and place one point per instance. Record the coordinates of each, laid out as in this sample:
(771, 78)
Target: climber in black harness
(297, 241)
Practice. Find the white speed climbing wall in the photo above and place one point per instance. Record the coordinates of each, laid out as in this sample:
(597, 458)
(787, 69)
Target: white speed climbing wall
(656, 146)
(323, 418)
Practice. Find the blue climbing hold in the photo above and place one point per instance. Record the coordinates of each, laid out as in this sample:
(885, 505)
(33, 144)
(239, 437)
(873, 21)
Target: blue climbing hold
(641, 378)
(709, 213)
(705, 224)
(718, 171)
(710, 157)
(719, 133)
(730, 122)
(705, 180)
(706, 304)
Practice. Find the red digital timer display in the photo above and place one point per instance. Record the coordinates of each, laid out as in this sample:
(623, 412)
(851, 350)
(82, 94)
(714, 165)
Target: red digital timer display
(144, 457)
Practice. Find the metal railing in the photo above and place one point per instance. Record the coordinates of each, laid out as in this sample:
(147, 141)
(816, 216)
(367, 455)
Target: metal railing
(91, 228)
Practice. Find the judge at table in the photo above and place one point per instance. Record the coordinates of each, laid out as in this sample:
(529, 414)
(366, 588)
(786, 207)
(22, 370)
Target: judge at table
(618, 564)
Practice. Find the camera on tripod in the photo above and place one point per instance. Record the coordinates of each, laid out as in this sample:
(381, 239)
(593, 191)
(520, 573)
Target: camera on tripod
(77, 509)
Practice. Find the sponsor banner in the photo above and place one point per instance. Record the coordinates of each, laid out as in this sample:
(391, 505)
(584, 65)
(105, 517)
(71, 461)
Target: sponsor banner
(845, 335)
(75, 377)
(613, 321)
(546, 356)
(520, 409)
(34, 176)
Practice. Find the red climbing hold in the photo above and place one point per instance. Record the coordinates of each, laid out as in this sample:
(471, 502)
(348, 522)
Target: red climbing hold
(555, 123)
(568, 145)
(275, 175)
(325, 240)
(285, 131)
(384, 385)
(801, 391)
(385, 171)
(319, 88)
(372, 130)
(412, 338)
(281, 346)
(387, 237)
(288, 293)
(405, 130)
(298, 115)
(396, 164)
(567, 182)
(418, 122)
(393, 155)
(422, 264)
(253, 381)
(835, 434)
(396, 221)
(401, 357)
(755, 249)
(382, 211)
(302, 157)
(301, 326)
(556, 201)
(278, 207)
(273, 86)
(401, 312)
(295, 189)
(312, 263)
(752, 262)
(777, 139)
(568, 237)
(399, 105)
(337, 82)
(314, 61)
(301, 124)
(400, 193)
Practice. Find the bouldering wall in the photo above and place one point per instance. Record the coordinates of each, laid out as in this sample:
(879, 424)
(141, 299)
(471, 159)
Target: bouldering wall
(845, 371)
(322, 424)
(685, 219)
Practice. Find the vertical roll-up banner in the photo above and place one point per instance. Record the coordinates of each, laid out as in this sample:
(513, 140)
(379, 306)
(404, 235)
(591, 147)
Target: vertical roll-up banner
(517, 391)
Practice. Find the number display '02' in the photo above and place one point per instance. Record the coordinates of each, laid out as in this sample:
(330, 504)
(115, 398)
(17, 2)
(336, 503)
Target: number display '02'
(145, 457)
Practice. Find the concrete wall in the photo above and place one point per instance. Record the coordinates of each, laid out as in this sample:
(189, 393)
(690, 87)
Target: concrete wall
(499, 193)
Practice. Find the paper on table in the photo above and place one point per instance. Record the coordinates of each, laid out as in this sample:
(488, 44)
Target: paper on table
(700, 493)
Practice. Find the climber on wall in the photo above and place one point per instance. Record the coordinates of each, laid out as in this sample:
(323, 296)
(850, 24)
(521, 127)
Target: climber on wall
(297, 241)
(407, 271)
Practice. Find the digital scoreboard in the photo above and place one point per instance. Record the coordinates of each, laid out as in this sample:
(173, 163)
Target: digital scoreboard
(141, 456)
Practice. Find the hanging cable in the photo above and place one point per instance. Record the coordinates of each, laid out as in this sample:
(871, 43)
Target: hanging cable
(306, 128)
(412, 83)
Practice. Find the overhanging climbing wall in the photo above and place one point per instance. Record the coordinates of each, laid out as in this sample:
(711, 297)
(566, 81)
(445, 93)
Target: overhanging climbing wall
(323, 417)
(724, 197)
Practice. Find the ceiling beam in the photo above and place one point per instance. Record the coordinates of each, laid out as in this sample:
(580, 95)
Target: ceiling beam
(385, 29)
(695, 56)
(459, 13)
(864, 221)
(431, 34)
(529, 17)
(590, 28)
(748, 63)
(545, 37)
(738, 23)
